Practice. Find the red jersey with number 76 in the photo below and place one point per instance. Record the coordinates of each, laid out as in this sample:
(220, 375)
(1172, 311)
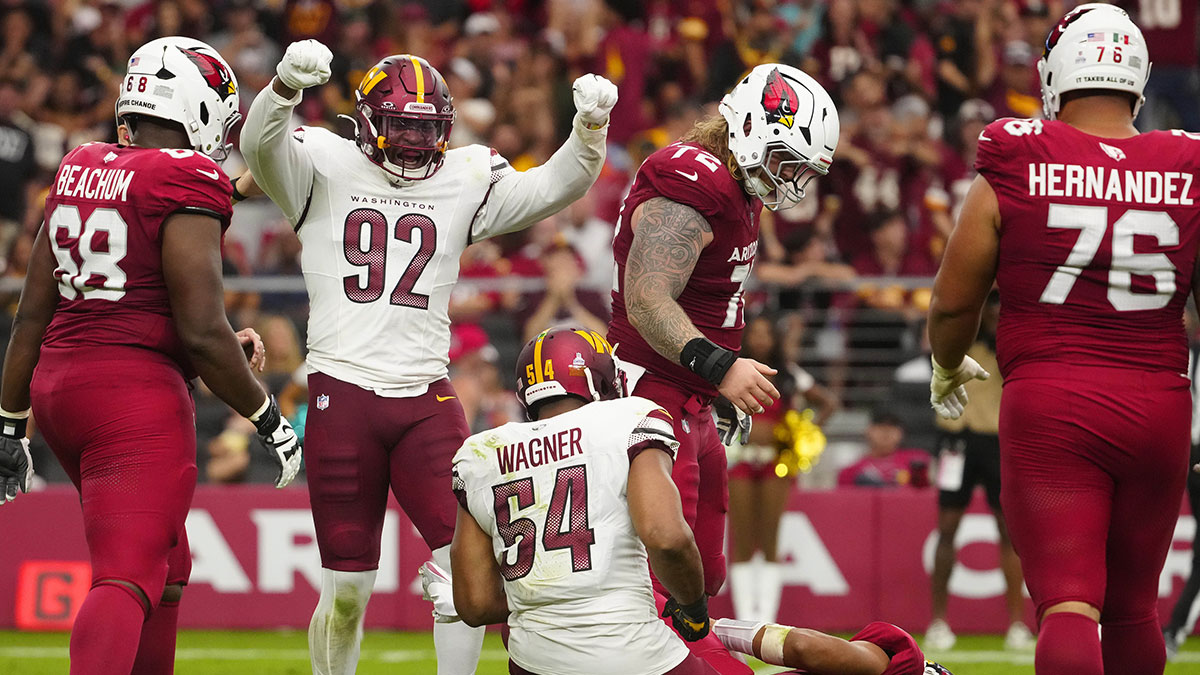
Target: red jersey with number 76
(1098, 240)
(104, 217)
(690, 175)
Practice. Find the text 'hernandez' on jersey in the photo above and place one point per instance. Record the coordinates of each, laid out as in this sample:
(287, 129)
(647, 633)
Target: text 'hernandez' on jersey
(1098, 242)
(552, 495)
(687, 174)
(381, 254)
(104, 217)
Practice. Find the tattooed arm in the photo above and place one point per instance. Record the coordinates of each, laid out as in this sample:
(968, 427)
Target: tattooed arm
(667, 240)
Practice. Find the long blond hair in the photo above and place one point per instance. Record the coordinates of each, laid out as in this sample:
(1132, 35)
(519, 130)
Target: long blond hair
(712, 134)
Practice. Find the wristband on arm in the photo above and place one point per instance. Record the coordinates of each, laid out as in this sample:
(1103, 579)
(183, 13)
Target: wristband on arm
(237, 196)
(707, 359)
(14, 424)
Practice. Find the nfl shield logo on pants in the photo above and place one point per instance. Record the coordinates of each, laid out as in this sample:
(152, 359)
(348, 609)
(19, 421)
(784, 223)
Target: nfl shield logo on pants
(322, 401)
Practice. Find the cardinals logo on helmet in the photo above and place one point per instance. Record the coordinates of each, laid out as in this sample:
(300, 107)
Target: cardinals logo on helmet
(1056, 33)
(780, 100)
(214, 72)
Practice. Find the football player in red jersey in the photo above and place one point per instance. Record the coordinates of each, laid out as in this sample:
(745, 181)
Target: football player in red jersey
(686, 240)
(1091, 231)
(122, 305)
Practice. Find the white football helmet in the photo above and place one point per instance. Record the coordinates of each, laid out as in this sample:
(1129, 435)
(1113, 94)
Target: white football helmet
(783, 129)
(1095, 46)
(186, 81)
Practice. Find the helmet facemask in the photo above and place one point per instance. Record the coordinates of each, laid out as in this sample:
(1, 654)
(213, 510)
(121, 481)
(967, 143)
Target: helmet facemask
(781, 180)
(411, 146)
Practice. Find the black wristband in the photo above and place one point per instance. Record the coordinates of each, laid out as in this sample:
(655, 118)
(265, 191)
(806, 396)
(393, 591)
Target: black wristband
(13, 427)
(237, 196)
(269, 420)
(706, 359)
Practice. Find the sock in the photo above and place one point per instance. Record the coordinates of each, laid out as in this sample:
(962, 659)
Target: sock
(335, 632)
(1069, 644)
(770, 587)
(104, 639)
(1134, 649)
(458, 646)
(744, 591)
(156, 651)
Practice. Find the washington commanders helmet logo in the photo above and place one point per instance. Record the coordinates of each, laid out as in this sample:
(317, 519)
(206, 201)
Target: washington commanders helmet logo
(214, 72)
(780, 100)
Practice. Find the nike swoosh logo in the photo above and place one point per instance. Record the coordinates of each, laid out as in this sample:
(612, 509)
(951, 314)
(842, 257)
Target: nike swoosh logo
(983, 138)
(442, 398)
(211, 174)
(690, 176)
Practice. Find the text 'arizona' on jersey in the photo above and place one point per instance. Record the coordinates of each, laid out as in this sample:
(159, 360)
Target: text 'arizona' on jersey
(688, 174)
(552, 495)
(104, 217)
(1098, 242)
(381, 253)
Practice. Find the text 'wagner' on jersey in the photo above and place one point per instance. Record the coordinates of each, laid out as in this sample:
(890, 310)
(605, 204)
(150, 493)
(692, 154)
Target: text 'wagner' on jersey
(1098, 242)
(552, 496)
(104, 217)
(687, 174)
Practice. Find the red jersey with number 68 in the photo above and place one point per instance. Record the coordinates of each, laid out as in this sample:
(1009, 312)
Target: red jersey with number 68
(687, 174)
(104, 218)
(1098, 239)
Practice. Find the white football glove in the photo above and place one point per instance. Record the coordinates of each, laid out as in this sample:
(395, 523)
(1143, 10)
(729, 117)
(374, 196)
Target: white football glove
(946, 391)
(305, 64)
(437, 587)
(276, 432)
(594, 99)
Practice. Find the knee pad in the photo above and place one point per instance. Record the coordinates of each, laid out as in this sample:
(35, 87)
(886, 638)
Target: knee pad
(350, 546)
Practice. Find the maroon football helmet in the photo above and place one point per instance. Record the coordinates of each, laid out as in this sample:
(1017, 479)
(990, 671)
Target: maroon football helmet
(566, 362)
(403, 114)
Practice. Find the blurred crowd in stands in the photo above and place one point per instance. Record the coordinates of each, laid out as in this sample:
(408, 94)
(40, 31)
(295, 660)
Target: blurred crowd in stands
(915, 82)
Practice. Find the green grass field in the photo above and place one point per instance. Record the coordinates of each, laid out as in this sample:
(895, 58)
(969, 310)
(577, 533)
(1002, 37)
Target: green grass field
(285, 653)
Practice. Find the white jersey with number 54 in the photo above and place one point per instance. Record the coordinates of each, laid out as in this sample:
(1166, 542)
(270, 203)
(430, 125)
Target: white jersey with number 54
(552, 495)
(381, 255)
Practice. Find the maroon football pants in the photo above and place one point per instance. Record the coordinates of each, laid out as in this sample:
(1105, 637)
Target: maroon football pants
(122, 423)
(1093, 466)
(358, 445)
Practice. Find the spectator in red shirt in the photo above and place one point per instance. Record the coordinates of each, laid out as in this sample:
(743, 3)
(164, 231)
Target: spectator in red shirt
(886, 464)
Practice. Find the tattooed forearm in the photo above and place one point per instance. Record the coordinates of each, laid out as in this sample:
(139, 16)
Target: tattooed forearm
(667, 240)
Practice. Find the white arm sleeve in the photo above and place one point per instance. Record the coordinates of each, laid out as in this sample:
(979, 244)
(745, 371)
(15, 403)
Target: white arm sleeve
(521, 198)
(278, 161)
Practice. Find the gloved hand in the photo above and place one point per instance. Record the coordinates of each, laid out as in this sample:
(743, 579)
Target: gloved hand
(594, 99)
(277, 434)
(731, 422)
(946, 391)
(690, 621)
(305, 64)
(16, 464)
(437, 587)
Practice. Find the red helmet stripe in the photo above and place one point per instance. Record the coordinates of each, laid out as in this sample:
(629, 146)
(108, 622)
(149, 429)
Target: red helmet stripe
(421, 85)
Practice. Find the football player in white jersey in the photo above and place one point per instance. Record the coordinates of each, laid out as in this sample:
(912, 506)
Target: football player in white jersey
(558, 515)
(383, 220)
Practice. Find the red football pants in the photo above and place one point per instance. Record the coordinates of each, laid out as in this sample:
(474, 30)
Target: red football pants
(122, 423)
(1093, 466)
(699, 472)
